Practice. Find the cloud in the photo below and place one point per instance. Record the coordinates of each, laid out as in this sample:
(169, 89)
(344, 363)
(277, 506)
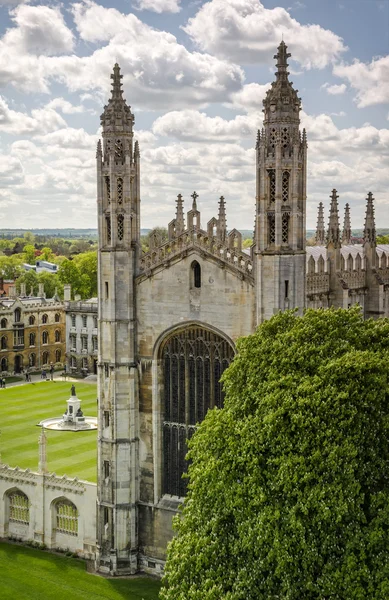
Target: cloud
(370, 80)
(158, 6)
(334, 90)
(245, 31)
(197, 126)
(18, 123)
(250, 97)
(65, 106)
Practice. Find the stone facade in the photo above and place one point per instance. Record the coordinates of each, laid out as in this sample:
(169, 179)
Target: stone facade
(32, 332)
(81, 337)
(169, 318)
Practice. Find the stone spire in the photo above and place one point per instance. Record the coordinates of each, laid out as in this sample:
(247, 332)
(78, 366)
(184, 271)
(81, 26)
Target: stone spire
(99, 152)
(282, 58)
(346, 234)
(42, 466)
(369, 231)
(117, 114)
(194, 203)
(222, 221)
(136, 149)
(333, 235)
(320, 229)
(180, 221)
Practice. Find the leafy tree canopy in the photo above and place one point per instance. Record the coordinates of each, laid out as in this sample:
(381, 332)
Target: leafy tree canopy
(289, 482)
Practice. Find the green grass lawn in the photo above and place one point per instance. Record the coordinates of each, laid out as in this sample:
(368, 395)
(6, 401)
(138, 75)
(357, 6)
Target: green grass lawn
(35, 575)
(68, 452)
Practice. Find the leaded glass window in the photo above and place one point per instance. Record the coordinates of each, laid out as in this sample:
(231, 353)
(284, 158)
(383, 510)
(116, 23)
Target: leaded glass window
(272, 185)
(271, 228)
(108, 189)
(19, 510)
(120, 227)
(193, 361)
(66, 517)
(120, 191)
(273, 138)
(285, 186)
(285, 228)
(284, 137)
(108, 225)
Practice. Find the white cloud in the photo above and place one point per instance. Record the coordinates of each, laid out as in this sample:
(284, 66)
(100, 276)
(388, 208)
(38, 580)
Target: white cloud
(158, 6)
(250, 97)
(334, 90)
(65, 106)
(245, 31)
(370, 80)
(18, 123)
(192, 125)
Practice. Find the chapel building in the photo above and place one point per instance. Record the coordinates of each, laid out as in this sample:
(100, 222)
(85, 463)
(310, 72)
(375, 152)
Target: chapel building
(169, 318)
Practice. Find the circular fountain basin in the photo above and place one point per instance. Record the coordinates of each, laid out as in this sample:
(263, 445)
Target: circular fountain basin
(58, 424)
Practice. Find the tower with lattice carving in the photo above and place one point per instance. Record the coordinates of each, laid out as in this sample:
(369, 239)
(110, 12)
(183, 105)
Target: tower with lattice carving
(118, 199)
(281, 172)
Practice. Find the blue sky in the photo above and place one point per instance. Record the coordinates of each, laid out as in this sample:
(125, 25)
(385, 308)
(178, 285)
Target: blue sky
(195, 73)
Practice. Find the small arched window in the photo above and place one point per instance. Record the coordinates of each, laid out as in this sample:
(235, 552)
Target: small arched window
(3, 342)
(57, 317)
(17, 315)
(4, 364)
(31, 320)
(57, 335)
(32, 360)
(19, 507)
(196, 274)
(3, 323)
(32, 339)
(58, 356)
(45, 358)
(45, 337)
(44, 318)
(66, 517)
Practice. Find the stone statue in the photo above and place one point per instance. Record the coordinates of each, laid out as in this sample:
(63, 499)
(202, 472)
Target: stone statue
(73, 390)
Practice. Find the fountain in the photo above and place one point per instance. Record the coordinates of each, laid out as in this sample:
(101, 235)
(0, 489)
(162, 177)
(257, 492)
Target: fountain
(73, 418)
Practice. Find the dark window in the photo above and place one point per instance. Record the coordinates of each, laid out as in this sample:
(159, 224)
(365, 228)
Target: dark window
(196, 274)
(44, 318)
(17, 315)
(4, 364)
(32, 339)
(106, 418)
(286, 288)
(3, 323)
(58, 356)
(106, 290)
(57, 317)
(106, 469)
(45, 337)
(57, 335)
(3, 342)
(106, 370)
(193, 362)
(31, 320)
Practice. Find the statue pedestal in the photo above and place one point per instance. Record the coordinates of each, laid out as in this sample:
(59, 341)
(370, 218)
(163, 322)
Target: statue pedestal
(73, 413)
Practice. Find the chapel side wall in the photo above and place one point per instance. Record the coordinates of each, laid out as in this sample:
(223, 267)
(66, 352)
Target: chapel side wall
(165, 300)
(43, 491)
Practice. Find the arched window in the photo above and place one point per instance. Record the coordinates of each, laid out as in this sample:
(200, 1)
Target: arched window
(57, 335)
(32, 360)
(3, 342)
(3, 323)
(17, 315)
(85, 364)
(58, 356)
(108, 189)
(196, 274)
(19, 507)
(108, 228)
(45, 337)
(4, 364)
(57, 317)
(120, 191)
(45, 358)
(66, 517)
(120, 227)
(32, 339)
(31, 320)
(44, 318)
(285, 186)
(272, 185)
(271, 228)
(193, 362)
(285, 228)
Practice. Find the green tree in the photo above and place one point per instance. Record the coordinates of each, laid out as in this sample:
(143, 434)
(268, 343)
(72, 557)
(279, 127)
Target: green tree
(69, 273)
(11, 266)
(289, 488)
(30, 278)
(29, 254)
(87, 266)
(46, 254)
(51, 283)
(382, 239)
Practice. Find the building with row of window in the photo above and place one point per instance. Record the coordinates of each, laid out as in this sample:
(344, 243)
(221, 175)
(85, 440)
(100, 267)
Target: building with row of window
(32, 332)
(81, 335)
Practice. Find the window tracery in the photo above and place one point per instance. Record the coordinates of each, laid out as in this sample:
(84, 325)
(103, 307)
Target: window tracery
(108, 228)
(285, 186)
(271, 228)
(272, 185)
(193, 362)
(285, 228)
(120, 191)
(120, 227)
(19, 510)
(66, 517)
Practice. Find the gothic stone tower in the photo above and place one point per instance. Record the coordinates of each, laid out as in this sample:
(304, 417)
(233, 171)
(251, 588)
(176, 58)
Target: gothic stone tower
(281, 173)
(119, 230)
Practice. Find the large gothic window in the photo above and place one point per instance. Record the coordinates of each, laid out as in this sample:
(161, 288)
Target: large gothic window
(19, 508)
(285, 228)
(272, 185)
(193, 362)
(108, 189)
(120, 227)
(108, 228)
(271, 228)
(285, 186)
(120, 191)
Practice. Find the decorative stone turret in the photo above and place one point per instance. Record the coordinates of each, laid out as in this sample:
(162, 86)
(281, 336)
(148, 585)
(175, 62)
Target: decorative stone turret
(369, 231)
(281, 156)
(193, 216)
(320, 229)
(222, 220)
(333, 234)
(346, 234)
(42, 465)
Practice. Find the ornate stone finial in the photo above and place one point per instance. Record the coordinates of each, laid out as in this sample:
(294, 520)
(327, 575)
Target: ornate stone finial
(116, 92)
(304, 138)
(320, 229)
(282, 58)
(180, 221)
(117, 116)
(258, 140)
(99, 152)
(369, 232)
(136, 149)
(42, 442)
(333, 235)
(346, 233)
(222, 221)
(194, 203)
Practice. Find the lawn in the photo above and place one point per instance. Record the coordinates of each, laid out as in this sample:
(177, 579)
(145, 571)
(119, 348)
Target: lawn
(35, 575)
(68, 452)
